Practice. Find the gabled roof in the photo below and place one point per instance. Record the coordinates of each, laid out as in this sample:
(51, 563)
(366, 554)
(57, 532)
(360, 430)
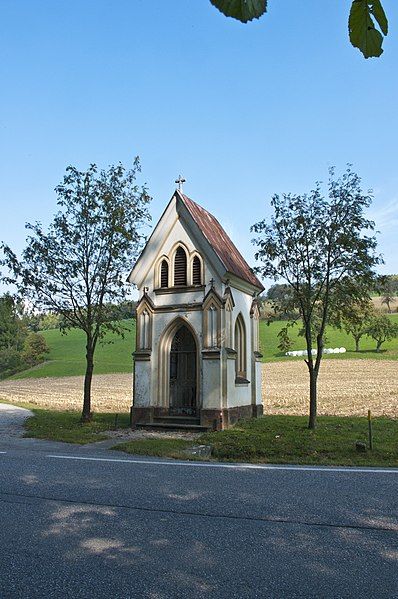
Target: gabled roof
(225, 249)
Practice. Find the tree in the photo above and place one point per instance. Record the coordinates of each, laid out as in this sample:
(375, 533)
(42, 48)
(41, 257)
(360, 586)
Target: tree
(12, 336)
(382, 329)
(282, 301)
(77, 268)
(12, 330)
(355, 318)
(367, 23)
(388, 292)
(34, 350)
(321, 247)
(285, 342)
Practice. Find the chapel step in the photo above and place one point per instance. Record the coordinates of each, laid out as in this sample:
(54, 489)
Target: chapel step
(178, 419)
(170, 426)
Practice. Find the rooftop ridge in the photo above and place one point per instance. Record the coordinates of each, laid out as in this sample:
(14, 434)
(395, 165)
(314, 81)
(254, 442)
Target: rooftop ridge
(221, 243)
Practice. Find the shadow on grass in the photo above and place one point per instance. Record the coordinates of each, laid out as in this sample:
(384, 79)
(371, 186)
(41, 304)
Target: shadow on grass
(66, 426)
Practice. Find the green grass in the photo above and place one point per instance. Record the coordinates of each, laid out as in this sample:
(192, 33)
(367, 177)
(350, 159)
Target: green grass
(67, 352)
(66, 426)
(270, 439)
(335, 338)
(287, 440)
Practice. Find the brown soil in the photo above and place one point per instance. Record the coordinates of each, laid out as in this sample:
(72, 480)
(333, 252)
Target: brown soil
(346, 388)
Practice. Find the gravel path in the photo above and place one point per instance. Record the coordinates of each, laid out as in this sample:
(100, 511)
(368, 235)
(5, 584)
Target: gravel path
(12, 420)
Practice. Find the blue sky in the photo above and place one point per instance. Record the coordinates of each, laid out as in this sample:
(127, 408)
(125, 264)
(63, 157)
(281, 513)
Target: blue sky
(242, 111)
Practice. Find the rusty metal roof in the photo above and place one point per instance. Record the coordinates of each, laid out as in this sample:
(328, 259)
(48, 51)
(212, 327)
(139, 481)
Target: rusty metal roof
(220, 242)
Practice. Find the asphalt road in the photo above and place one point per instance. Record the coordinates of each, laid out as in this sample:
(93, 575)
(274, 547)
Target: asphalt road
(99, 523)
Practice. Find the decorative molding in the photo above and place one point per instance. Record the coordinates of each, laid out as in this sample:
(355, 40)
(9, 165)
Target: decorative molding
(211, 354)
(145, 302)
(240, 284)
(240, 381)
(228, 298)
(142, 355)
(213, 296)
(212, 306)
(231, 353)
(186, 289)
(179, 308)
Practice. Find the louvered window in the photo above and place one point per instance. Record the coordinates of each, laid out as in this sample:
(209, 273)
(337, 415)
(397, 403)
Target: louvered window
(164, 274)
(180, 268)
(196, 274)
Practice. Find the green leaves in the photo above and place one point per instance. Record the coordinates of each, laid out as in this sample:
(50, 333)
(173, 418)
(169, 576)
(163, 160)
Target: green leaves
(243, 10)
(364, 16)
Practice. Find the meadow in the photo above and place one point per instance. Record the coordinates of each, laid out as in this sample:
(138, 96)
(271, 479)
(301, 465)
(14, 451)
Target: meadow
(67, 352)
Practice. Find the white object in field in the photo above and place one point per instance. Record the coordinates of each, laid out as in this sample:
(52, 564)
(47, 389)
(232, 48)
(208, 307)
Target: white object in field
(328, 350)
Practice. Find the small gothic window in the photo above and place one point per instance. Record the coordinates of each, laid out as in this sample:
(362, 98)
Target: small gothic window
(213, 327)
(164, 274)
(240, 347)
(180, 268)
(255, 326)
(145, 330)
(196, 271)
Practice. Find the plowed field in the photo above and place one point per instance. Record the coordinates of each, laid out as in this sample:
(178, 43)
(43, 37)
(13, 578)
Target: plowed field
(346, 388)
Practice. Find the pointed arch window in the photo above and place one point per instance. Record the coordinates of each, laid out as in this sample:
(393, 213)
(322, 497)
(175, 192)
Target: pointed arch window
(144, 330)
(255, 330)
(180, 268)
(213, 326)
(164, 274)
(240, 348)
(196, 271)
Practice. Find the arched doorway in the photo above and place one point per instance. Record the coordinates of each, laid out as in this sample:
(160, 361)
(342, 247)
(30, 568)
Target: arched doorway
(183, 374)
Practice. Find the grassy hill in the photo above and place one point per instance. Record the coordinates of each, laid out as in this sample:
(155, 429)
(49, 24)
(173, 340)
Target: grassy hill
(67, 352)
(335, 338)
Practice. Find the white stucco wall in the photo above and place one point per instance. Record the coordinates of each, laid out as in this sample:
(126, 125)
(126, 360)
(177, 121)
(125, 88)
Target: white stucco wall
(142, 383)
(210, 371)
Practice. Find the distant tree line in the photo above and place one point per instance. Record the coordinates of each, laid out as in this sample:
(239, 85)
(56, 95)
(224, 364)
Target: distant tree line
(357, 319)
(36, 321)
(20, 347)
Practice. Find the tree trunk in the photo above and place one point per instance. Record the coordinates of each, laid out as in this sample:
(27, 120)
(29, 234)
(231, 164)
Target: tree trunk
(378, 346)
(86, 414)
(356, 344)
(313, 399)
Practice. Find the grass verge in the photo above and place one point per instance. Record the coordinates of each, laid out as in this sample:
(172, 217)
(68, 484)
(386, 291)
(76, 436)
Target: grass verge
(271, 439)
(66, 426)
(287, 440)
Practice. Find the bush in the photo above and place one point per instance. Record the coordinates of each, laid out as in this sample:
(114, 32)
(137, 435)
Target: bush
(35, 349)
(10, 362)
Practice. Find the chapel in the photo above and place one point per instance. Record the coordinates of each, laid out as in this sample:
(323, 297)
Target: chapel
(197, 358)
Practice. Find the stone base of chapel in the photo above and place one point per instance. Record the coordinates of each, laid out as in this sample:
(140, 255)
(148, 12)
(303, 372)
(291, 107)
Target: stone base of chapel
(212, 419)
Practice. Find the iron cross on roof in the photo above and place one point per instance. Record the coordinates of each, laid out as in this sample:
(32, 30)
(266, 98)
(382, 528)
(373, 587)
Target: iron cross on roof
(180, 181)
